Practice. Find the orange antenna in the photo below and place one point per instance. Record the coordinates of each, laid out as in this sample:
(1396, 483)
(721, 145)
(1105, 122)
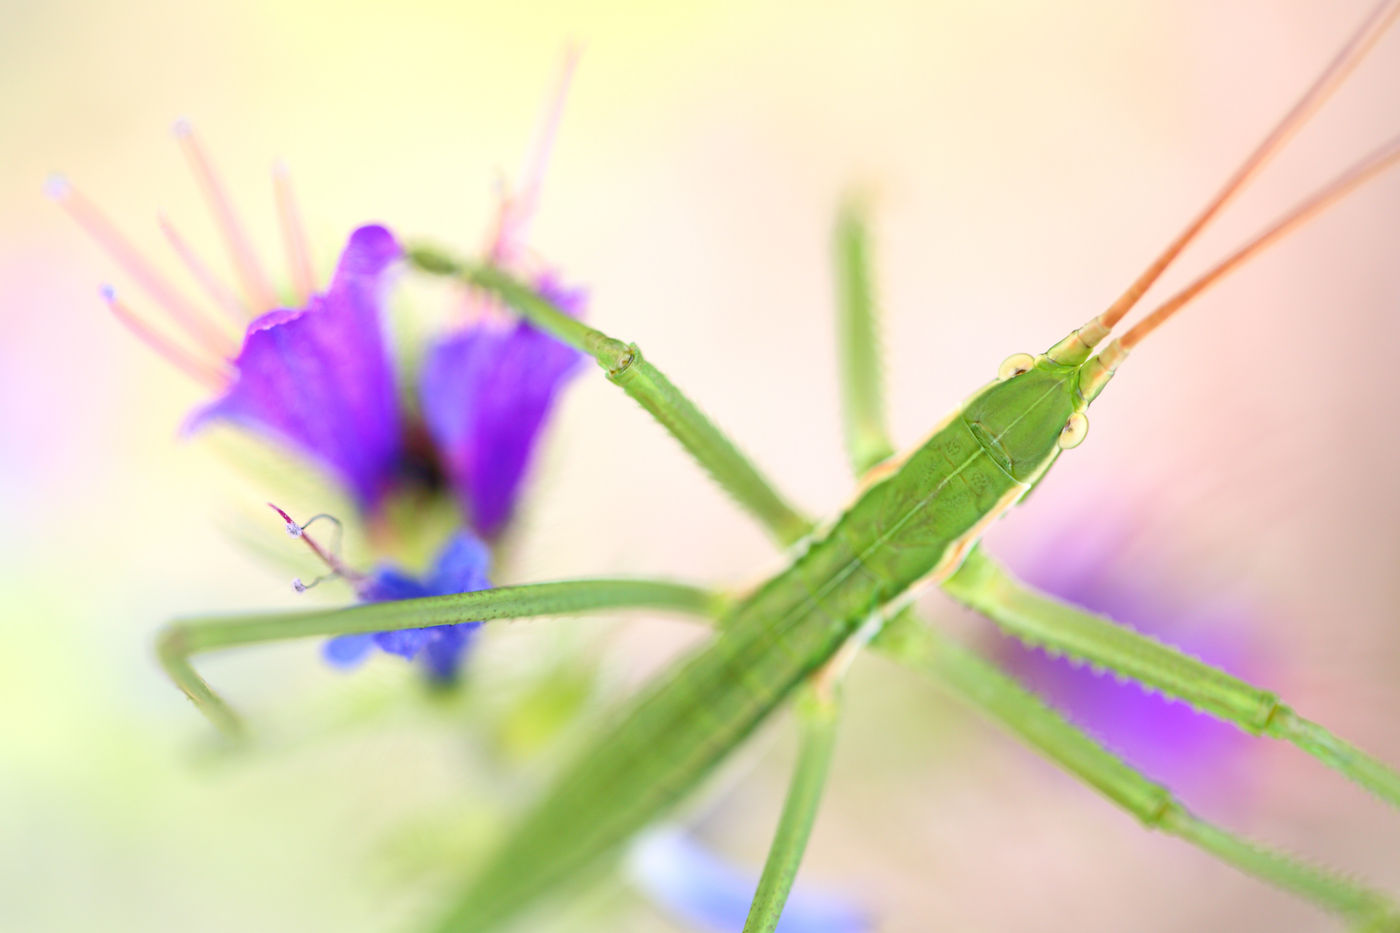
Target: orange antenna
(1330, 79)
(1369, 167)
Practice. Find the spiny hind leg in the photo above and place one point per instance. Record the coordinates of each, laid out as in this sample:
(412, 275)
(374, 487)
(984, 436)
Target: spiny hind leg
(1039, 619)
(980, 684)
(648, 386)
(180, 640)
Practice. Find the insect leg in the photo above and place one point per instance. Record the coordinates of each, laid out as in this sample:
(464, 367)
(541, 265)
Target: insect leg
(983, 686)
(182, 639)
(1039, 619)
(817, 712)
(646, 384)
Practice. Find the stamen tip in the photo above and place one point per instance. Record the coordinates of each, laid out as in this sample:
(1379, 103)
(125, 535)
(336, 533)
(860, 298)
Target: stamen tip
(182, 129)
(299, 586)
(108, 293)
(293, 528)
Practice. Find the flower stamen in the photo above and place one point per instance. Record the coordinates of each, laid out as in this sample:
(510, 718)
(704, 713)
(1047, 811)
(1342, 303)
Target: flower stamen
(221, 294)
(293, 235)
(181, 309)
(256, 285)
(189, 364)
(518, 206)
(331, 558)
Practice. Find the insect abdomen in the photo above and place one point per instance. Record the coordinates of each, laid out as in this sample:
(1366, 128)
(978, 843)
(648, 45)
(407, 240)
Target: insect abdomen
(688, 719)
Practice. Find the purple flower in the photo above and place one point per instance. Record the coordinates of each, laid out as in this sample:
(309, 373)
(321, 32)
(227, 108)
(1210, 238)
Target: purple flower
(706, 893)
(319, 379)
(486, 392)
(487, 389)
(1108, 568)
(460, 568)
(313, 374)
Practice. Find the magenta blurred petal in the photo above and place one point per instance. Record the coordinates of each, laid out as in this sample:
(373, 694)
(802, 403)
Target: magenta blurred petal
(319, 380)
(486, 393)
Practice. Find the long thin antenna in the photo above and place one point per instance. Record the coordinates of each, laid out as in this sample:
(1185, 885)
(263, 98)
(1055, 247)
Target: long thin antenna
(1375, 163)
(1330, 79)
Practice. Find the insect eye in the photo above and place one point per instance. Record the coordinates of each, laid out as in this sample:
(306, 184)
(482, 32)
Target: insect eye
(1014, 365)
(1075, 429)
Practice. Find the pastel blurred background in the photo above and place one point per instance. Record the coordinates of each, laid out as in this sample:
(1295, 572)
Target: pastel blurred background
(1026, 159)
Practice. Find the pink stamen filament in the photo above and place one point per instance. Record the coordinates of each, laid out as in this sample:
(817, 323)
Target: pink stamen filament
(326, 557)
(184, 312)
(294, 235)
(256, 285)
(518, 208)
(220, 293)
(215, 376)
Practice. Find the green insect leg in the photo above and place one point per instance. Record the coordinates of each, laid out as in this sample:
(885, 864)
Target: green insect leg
(817, 711)
(1039, 619)
(984, 687)
(182, 639)
(647, 385)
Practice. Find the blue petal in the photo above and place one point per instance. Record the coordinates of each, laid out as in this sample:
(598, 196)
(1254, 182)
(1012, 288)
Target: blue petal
(442, 654)
(406, 643)
(348, 650)
(460, 568)
(702, 890)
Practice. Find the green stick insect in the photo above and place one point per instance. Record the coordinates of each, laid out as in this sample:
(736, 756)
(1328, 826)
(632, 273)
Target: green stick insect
(916, 522)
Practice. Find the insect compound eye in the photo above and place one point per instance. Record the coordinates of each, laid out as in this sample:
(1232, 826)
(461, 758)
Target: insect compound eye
(1014, 365)
(1075, 430)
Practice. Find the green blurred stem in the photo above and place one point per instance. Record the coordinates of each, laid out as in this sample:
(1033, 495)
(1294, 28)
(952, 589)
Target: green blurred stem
(858, 329)
(184, 638)
(817, 712)
(647, 385)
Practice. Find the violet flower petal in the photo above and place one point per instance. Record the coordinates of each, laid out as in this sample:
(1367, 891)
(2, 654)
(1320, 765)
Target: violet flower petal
(461, 568)
(319, 379)
(1166, 739)
(707, 893)
(486, 392)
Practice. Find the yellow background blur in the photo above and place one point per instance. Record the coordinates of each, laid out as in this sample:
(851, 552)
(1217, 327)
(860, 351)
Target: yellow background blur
(1026, 159)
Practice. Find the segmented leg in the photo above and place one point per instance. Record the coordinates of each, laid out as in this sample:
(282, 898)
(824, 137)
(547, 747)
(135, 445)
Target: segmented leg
(983, 686)
(182, 639)
(1039, 619)
(646, 384)
(818, 713)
